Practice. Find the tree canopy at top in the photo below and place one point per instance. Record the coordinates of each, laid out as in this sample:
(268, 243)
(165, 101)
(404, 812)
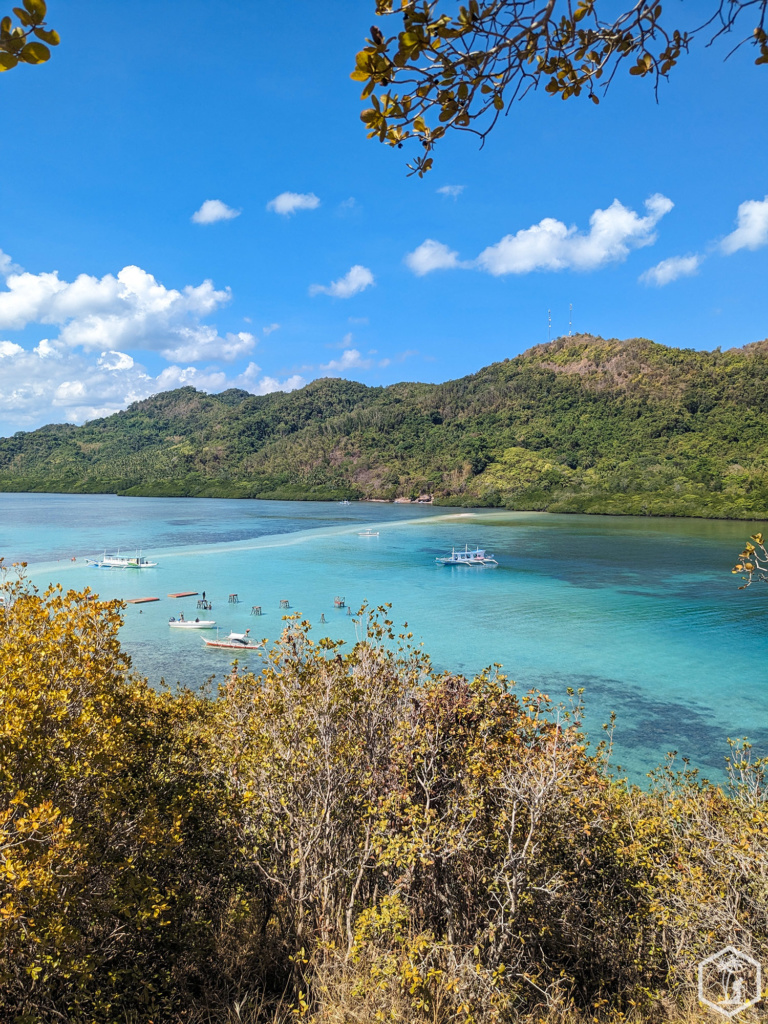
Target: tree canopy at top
(459, 67)
(16, 45)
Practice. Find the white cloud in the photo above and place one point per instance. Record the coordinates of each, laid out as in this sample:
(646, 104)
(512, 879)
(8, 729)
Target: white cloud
(214, 210)
(130, 310)
(266, 331)
(432, 255)
(204, 343)
(115, 361)
(7, 266)
(87, 370)
(350, 360)
(752, 229)
(357, 279)
(289, 202)
(550, 245)
(451, 191)
(267, 385)
(671, 269)
(52, 383)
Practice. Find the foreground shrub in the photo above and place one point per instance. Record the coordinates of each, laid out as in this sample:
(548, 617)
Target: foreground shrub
(346, 836)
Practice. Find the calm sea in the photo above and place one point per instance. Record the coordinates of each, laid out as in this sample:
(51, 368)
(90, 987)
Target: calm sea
(642, 613)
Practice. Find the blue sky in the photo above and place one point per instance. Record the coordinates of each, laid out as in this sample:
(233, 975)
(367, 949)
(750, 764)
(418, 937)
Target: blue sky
(111, 148)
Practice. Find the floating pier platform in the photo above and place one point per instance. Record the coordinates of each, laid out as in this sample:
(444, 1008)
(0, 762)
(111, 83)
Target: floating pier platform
(141, 600)
(185, 593)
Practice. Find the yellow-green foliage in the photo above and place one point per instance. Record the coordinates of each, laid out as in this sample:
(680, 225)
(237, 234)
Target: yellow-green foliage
(515, 469)
(347, 836)
(20, 43)
(109, 817)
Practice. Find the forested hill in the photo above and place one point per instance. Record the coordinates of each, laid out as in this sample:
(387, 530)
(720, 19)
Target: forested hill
(578, 425)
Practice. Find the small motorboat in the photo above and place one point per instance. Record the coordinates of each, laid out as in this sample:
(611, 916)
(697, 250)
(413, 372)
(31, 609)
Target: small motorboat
(236, 642)
(191, 623)
(369, 533)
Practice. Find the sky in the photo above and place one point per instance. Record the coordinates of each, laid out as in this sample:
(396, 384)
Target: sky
(187, 196)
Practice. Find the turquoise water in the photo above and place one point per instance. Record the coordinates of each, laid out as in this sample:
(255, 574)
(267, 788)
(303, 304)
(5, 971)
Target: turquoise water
(643, 613)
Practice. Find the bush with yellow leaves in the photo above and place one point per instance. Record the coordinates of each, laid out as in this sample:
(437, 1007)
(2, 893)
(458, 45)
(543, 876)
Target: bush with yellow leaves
(345, 836)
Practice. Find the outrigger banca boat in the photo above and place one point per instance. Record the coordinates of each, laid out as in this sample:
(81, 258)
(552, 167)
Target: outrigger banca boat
(119, 561)
(235, 642)
(191, 623)
(466, 557)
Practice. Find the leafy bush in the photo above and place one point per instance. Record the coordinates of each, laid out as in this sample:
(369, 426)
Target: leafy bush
(346, 836)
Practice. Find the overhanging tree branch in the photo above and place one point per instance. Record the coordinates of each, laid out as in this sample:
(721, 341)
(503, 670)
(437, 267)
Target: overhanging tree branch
(16, 46)
(457, 67)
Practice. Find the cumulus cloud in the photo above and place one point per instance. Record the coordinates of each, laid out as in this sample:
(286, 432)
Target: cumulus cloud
(266, 331)
(671, 269)
(213, 210)
(129, 310)
(7, 266)
(432, 255)
(551, 245)
(87, 370)
(357, 279)
(752, 227)
(451, 191)
(51, 383)
(350, 360)
(204, 343)
(289, 202)
(267, 385)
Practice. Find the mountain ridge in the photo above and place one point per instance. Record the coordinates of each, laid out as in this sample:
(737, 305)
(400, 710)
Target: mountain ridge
(581, 424)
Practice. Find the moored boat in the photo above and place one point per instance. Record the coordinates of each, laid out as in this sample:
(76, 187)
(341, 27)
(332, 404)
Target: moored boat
(466, 557)
(235, 642)
(369, 533)
(119, 561)
(191, 623)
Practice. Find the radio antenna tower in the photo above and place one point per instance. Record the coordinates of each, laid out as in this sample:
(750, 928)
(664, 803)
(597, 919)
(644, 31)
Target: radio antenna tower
(570, 319)
(549, 325)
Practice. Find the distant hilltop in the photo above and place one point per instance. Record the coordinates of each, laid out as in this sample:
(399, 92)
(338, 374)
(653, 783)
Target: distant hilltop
(581, 424)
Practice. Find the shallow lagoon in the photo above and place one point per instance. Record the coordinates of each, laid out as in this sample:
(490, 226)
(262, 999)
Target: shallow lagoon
(643, 613)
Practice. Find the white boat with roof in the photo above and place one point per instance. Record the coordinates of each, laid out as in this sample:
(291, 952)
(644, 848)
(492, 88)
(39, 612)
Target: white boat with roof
(182, 623)
(236, 642)
(466, 557)
(119, 561)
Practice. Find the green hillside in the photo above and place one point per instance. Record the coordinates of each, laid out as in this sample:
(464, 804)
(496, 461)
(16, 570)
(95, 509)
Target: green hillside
(579, 425)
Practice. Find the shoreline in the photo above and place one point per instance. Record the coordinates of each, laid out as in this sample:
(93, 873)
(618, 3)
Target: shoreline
(439, 503)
